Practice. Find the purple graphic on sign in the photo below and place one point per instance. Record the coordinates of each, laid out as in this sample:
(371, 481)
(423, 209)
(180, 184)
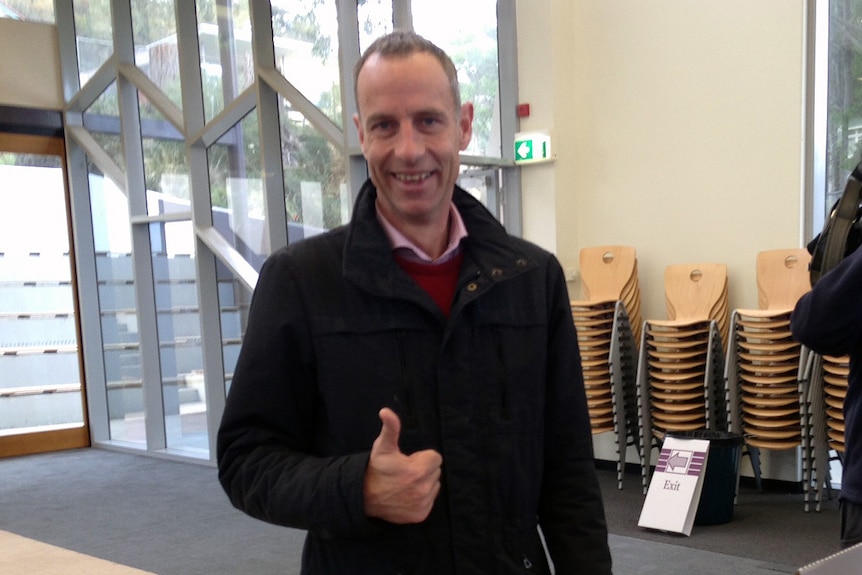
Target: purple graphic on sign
(680, 461)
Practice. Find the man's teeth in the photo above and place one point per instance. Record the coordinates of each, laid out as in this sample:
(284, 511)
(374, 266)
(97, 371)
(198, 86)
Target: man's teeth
(412, 177)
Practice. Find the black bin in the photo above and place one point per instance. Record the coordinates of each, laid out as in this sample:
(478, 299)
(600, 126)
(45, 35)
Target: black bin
(722, 470)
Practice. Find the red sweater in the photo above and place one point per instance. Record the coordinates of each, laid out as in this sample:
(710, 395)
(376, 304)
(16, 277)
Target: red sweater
(437, 279)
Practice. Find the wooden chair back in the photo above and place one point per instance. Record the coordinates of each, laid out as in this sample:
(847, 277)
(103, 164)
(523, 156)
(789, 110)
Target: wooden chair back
(607, 271)
(782, 277)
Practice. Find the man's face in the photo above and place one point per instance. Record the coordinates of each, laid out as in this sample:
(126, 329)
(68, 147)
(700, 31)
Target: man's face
(410, 133)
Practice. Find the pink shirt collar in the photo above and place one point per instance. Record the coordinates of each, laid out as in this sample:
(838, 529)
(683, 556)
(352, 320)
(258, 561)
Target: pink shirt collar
(406, 248)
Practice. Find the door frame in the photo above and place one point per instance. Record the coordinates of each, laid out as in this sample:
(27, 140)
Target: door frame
(42, 441)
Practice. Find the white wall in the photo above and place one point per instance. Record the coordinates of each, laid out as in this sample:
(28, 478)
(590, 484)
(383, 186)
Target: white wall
(678, 128)
(29, 69)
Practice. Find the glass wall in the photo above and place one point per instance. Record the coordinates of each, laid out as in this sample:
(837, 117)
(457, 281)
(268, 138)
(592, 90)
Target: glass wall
(210, 134)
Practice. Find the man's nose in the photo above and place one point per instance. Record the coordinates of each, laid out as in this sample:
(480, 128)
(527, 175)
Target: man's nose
(410, 143)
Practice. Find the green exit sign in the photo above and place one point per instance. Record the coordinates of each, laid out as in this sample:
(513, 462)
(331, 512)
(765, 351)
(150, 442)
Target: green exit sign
(532, 147)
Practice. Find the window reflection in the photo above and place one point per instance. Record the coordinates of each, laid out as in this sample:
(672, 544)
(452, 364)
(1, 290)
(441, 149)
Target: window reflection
(116, 286)
(375, 19)
(154, 29)
(236, 190)
(316, 195)
(227, 64)
(102, 121)
(234, 300)
(305, 36)
(178, 315)
(165, 167)
(40, 388)
(94, 32)
(471, 41)
(27, 10)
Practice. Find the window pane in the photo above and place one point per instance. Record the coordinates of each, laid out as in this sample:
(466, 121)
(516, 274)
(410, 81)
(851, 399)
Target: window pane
(227, 66)
(178, 316)
(306, 51)
(155, 34)
(118, 308)
(236, 190)
(102, 120)
(165, 166)
(471, 42)
(28, 10)
(41, 383)
(95, 36)
(844, 107)
(375, 20)
(316, 195)
(234, 299)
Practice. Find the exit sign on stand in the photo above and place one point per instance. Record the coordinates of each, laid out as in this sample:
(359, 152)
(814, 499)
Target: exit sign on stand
(531, 147)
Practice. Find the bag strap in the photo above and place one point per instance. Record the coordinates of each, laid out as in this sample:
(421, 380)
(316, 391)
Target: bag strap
(840, 221)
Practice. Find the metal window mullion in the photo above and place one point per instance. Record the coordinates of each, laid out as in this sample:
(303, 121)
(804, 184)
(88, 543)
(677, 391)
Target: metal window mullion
(91, 344)
(348, 40)
(402, 15)
(205, 261)
(509, 206)
(145, 296)
(263, 51)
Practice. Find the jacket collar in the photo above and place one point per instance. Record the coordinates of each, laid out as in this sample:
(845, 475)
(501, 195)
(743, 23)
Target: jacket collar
(491, 252)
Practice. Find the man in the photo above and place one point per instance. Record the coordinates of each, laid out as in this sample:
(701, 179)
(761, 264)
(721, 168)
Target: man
(409, 389)
(828, 319)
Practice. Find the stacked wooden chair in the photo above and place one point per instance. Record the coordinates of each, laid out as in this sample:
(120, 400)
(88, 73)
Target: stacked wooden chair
(836, 371)
(680, 362)
(765, 377)
(826, 378)
(605, 320)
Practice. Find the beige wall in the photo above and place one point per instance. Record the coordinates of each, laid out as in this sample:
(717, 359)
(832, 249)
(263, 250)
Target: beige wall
(29, 70)
(678, 128)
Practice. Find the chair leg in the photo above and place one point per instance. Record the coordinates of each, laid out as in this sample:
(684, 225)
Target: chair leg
(754, 456)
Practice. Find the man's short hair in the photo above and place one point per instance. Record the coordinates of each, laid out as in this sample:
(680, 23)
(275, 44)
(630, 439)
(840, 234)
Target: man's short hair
(403, 43)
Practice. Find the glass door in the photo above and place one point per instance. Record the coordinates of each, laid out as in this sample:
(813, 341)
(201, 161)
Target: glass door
(41, 377)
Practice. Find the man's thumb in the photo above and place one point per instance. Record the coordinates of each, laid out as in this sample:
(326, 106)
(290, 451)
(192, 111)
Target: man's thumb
(387, 441)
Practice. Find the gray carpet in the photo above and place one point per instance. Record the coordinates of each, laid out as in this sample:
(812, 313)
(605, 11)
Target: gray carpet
(172, 518)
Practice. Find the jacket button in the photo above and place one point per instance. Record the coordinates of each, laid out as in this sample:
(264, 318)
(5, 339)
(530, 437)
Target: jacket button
(472, 286)
(521, 262)
(496, 273)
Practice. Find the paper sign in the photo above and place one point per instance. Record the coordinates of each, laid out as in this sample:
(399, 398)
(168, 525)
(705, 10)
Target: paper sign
(674, 491)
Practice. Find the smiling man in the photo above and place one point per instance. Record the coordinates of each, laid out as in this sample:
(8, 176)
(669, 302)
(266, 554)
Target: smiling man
(409, 388)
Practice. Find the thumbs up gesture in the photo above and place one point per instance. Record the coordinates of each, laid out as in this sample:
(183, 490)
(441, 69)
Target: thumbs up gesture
(400, 488)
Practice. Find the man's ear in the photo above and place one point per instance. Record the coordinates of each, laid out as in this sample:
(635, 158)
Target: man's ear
(359, 129)
(466, 124)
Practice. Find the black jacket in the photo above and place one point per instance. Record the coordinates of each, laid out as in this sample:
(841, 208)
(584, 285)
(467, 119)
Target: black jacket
(828, 319)
(337, 330)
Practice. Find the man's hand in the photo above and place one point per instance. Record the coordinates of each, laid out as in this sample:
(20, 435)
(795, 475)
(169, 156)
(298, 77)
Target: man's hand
(400, 488)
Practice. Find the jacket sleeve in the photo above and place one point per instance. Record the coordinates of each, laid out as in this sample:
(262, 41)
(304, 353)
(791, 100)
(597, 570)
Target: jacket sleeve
(828, 319)
(266, 442)
(571, 511)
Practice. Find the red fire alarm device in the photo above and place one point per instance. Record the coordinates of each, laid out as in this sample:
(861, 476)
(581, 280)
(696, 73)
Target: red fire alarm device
(523, 110)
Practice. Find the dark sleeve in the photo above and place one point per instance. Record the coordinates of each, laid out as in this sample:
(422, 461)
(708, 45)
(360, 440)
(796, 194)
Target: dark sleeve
(571, 511)
(266, 441)
(828, 319)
